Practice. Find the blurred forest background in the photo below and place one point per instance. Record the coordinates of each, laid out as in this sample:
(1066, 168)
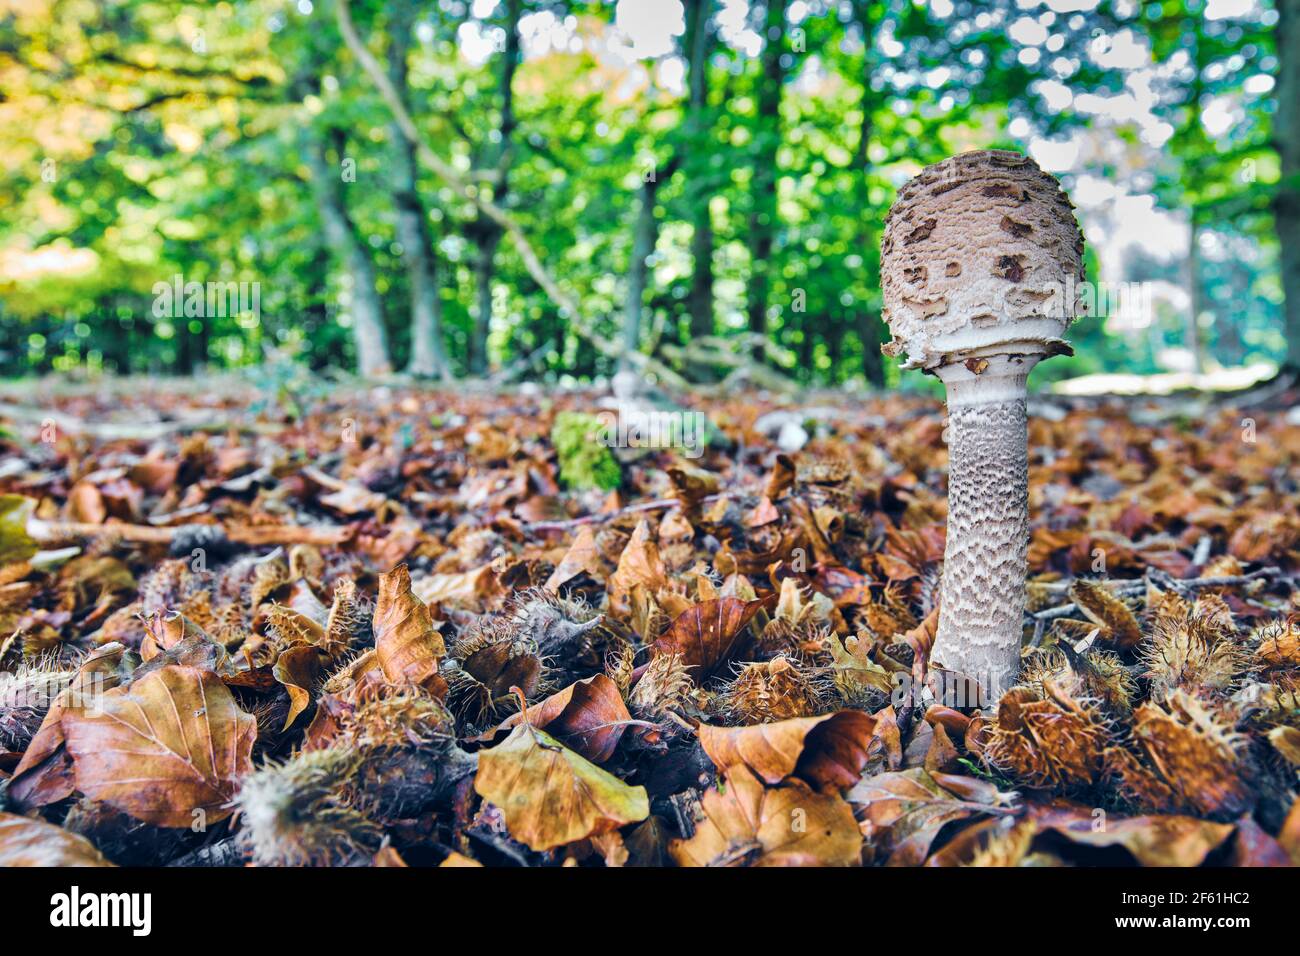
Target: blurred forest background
(550, 190)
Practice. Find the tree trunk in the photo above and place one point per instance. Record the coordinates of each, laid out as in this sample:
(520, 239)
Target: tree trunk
(487, 232)
(871, 328)
(1286, 133)
(767, 140)
(1197, 298)
(699, 43)
(428, 352)
(368, 332)
(645, 236)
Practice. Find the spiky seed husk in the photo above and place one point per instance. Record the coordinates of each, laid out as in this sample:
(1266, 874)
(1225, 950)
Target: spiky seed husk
(485, 665)
(411, 718)
(779, 689)
(1045, 738)
(1119, 627)
(268, 577)
(1188, 757)
(620, 664)
(169, 585)
(1277, 645)
(1005, 848)
(348, 624)
(25, 695)
(304, 812)
(1197, 651)
(665, 685)
(1095, 674)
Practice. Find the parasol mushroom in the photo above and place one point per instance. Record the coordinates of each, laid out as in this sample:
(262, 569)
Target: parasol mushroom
(980, 266)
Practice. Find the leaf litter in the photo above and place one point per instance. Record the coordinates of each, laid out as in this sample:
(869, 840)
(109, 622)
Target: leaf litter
(421, 634)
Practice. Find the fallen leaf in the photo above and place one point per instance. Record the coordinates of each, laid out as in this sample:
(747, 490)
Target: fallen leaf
(583, 557)
(588, 715)
(171, 744)
(407, 641)
(551, 796)
(25, 841)
(828, 752)
(747, 824)
(638, 566)
(707, 634)
(903, 812)
(15, 543)
(45, 775)
(1152, 840)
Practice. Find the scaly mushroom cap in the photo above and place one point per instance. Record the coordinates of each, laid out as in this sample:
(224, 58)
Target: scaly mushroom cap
(981, 256)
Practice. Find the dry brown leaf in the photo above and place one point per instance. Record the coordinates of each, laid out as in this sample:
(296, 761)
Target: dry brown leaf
(551, 796)
(747, 824)
(583, 557)
(468, 589)
(706, 635)
(25, 841)
(298, 668)
(407, 641)
(588, 715)
(828, 752)
(171, 744)
(459, 859)
(45, 775)
(1153, 840)
(903, 812)
(638, 566)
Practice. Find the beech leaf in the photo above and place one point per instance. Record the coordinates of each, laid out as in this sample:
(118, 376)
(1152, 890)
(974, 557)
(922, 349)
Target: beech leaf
(747, 824)
(552, 796)
(707, 634)
(29, 842)
(406, 639)
(172, 743)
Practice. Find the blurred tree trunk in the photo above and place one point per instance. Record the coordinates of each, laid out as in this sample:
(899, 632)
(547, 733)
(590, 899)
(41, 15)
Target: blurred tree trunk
(871, 329)
(645, 235)
(1196, 294)
(428, 352)
(698, 45)
(767, 142)
(366, 308)
(484, 231)
(1286, 133)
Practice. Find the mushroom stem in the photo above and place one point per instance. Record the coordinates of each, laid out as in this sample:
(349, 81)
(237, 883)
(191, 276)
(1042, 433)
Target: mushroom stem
(984, 560)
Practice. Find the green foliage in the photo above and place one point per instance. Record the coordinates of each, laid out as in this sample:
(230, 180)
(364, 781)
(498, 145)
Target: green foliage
(585, 462)
(15, 543)
(190, 160)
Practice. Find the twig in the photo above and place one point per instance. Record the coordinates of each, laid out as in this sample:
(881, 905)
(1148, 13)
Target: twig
(1135, 588)
(57, 532)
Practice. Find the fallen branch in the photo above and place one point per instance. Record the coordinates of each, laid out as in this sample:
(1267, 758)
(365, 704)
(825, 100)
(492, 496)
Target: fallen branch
(1138, 587)
(61, 532)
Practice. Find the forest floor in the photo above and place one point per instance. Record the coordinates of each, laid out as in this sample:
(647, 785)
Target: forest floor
(296, 626)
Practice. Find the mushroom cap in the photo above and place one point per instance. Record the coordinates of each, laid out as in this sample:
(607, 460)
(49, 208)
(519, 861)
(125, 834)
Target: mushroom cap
(981, 256)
